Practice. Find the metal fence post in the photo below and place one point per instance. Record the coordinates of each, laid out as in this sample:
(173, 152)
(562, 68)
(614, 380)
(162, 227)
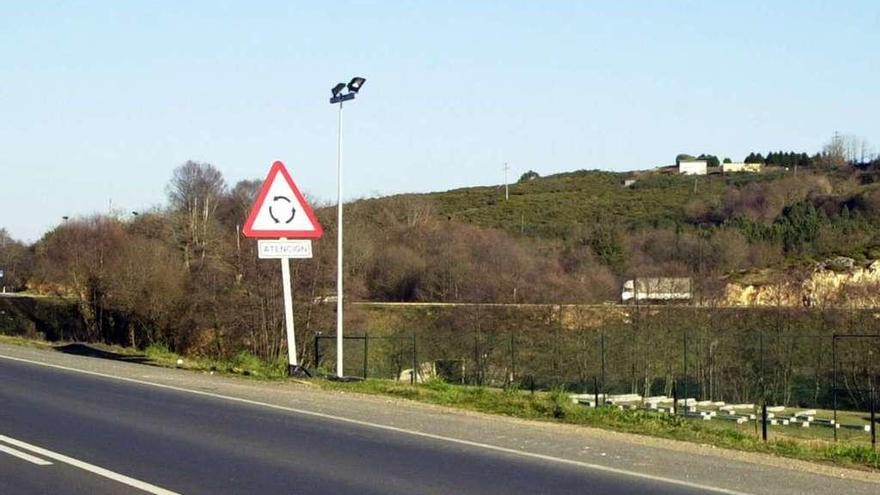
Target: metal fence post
(557, 356)
(512, 357)
(595, 392)
(317, 352)
(873, 419)
(476, 359)
(834, 382)
(412, 378)
(674, 398)
(685, 377)
(761, 379)
(764, 420)
(634, 387)
(604, 386)
(366, 353)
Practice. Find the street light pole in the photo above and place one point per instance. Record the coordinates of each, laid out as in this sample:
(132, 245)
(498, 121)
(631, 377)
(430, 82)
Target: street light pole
(338, 97)
(339, 296)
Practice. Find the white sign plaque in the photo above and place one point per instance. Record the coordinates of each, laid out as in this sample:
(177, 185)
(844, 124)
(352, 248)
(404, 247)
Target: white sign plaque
(284, 248)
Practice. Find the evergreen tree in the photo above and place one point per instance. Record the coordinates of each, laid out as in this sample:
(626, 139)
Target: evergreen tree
(711, 160)
(754, 158)
(799, 226)
(682, 157)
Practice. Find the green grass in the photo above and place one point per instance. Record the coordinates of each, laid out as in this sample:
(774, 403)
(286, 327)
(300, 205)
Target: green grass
(242, 364)
(556, 407)
(24, 341)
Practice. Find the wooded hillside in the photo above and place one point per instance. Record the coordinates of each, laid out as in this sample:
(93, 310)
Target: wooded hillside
(183, 274)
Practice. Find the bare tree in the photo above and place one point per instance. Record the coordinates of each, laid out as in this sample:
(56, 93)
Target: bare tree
(73, 259)
(846, 149)
(16, 261)
(194, 192)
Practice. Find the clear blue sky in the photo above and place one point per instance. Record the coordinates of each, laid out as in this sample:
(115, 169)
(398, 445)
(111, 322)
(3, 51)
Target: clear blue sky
(100, 101)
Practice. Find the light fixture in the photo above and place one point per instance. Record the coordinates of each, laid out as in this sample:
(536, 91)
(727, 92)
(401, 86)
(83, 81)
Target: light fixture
(355, 85)
(337, 96)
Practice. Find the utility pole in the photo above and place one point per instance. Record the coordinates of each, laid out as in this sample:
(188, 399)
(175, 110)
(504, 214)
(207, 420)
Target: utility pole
(506, 191)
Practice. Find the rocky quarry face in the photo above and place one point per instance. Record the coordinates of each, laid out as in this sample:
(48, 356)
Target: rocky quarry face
(837, 282)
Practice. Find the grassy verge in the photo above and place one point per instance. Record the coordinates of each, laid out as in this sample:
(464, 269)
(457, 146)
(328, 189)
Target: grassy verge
(542, 406)
(25, 342)
(243, 364)
(556, 407)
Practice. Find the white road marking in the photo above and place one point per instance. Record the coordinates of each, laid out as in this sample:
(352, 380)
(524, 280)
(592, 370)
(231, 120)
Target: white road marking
(106, 473)
(495, 448)
(22, 455)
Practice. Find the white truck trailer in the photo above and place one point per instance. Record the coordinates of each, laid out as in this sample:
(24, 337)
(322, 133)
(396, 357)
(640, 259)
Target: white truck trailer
(657, 289)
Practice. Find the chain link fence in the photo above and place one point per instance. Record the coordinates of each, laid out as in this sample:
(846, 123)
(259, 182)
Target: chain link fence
(822, 364)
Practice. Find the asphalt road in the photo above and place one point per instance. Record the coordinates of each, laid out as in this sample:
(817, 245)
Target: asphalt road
(105, 436)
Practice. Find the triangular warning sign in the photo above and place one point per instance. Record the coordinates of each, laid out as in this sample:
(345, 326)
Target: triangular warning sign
(280, 210)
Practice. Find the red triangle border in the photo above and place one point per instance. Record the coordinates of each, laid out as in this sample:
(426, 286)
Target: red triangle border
(248, 230)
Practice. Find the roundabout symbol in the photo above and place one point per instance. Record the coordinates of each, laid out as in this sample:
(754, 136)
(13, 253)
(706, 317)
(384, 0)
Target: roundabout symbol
(289, 205)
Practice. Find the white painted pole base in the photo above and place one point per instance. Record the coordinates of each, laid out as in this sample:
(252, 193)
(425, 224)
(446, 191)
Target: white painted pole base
(288, 312)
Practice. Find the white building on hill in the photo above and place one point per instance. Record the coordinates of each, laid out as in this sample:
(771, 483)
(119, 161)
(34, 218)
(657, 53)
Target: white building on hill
(728, 168)
(692, 167)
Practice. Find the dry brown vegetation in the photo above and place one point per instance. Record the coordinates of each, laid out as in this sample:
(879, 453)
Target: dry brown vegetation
(185, 277)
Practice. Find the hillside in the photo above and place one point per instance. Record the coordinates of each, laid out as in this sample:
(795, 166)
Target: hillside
(555, 206)
(552, 206)
(717, 228)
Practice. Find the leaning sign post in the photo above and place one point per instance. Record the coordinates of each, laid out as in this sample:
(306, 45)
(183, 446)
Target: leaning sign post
(285, 225)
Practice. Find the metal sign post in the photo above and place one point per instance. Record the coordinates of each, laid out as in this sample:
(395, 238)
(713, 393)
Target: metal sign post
(284, 250)
(288, 312)
(293, 365)
(280, 212)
